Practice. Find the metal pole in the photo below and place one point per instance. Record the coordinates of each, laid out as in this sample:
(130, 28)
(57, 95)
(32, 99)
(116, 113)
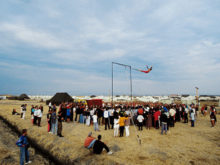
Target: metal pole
(131, 83)
(112, 84)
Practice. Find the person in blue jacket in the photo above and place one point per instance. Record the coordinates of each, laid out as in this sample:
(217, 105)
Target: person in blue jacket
(24, 145)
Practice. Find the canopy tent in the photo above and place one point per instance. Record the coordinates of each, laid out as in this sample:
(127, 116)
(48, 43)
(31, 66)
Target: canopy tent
(94, 102)
(23, 97)
(58, 98)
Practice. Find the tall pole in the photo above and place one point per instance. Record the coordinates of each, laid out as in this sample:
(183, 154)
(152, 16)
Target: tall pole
(197, 95)
(112, 84)
(113, 77)
(130, 83)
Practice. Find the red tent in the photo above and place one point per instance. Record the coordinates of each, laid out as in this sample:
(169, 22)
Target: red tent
(140, 111)
(94, 102)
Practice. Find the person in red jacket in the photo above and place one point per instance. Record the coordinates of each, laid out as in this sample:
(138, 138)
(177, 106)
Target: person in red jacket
(89, 141)
(156, 119)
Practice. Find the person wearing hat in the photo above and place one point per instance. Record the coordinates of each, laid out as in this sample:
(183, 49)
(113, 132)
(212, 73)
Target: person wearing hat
(89, 141)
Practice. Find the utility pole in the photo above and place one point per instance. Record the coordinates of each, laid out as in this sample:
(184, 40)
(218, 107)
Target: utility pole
(197, 95)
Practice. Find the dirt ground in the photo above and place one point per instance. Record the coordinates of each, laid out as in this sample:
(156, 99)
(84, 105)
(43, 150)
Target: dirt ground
(182, 145)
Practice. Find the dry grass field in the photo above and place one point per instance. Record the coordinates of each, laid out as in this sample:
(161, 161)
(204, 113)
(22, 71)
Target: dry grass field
(182, 145)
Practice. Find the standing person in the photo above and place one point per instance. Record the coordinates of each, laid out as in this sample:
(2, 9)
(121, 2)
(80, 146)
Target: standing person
(49, 121)
(71, 111)
(156, 118)
(24, 109)
(60, 119)
(81, 118)
(32, 114)
(106, 117)
(68, 112)
(116, 126)
(88, 117)
(212, 116)
(121, 125)
(205, 110)
(53, 121)
(95, 121)
(85, 114)
(111, 115)
(24, 145)
(39, 116)
(50, 105)
(149, 120)
(77, 110)
(127, 124)
(99, 146)
(140, 120)
(91, 113)
(186, 114)
(192, 116)
(35, 115)
(172, 113)
(100, 114)
(164, 121)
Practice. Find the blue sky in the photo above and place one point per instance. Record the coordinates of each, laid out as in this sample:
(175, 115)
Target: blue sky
(49, 46)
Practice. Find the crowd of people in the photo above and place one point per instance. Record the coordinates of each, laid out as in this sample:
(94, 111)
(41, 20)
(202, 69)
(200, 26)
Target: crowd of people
(118, 118)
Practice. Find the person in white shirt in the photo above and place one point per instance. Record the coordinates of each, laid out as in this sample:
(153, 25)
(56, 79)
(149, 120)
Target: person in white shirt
(186, 114)
(127, 123)
(50, 106)
(35, 115)
(172, 113)
(106, 117)
(116, 126)
(111, 116)
(140, 120)
(39, 116)
(95, 122)
(24, 109)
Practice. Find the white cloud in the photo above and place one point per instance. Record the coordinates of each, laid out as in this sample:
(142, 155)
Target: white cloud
(31, 36)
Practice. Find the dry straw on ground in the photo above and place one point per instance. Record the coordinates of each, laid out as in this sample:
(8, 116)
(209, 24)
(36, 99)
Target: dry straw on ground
(182, 145)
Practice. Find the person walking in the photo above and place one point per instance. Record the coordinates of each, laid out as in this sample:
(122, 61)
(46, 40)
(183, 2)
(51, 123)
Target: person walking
(24, 145)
